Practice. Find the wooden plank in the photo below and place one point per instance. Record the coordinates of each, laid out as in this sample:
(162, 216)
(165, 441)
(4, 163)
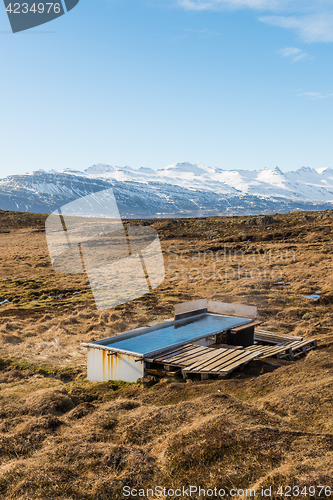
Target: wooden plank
(273, 351)
(202, 363)
(222, 356)
(277, 352)
(239, 360)
(258, 348)
(277, 334)
(268, 332)
(162, 373)
(292, 344)
(182, 348)
(230, 368)
(300, 349)
(198, 349)
(243, 327)
(223, 361)
(239, 363)
(216, 364)
(271, 347)
(226, 346)
(269, 341)
(284, 349)
(197, 359)
(207, 363)
(179, 352)
(265, 348)
(168, 353)
(175, 352)
(224, 366)
(306, 342)
(186, 356)
(201, 359)
(273, 337)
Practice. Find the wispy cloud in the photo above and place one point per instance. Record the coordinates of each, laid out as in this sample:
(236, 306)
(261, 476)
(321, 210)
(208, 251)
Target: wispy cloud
(203, 33)
(317, 27)
(195, 33)
(314, 96)
(293, 53)
(231, 4)
(311, 19)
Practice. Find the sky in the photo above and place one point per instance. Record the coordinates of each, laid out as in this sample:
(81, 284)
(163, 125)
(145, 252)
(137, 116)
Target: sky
(235, 84)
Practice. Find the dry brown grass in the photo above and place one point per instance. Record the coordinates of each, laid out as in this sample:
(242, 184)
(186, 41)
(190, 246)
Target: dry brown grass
(62, 437)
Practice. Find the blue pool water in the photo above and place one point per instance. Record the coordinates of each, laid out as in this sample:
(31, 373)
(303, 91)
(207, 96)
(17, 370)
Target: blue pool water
(188, 329)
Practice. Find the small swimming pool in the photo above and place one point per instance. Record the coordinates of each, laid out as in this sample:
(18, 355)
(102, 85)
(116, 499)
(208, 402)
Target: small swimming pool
(175, 332)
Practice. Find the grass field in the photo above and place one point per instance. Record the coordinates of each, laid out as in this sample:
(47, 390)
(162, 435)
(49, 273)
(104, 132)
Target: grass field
(62, 437)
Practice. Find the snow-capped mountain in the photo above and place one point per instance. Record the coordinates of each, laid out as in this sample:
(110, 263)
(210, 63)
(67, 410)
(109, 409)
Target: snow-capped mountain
(182, 189)
(303, 184)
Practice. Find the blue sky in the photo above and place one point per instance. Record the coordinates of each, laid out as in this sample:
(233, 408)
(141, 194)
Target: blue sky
(237, 84)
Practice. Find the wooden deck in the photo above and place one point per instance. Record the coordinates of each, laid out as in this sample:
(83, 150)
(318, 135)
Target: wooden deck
(289, 350)
(223, 363)
(221, 360)
(205, 360)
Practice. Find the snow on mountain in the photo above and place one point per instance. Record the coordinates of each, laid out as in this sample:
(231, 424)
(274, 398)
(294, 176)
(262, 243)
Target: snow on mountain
(303, 184)
(178, 189)
(273, 177)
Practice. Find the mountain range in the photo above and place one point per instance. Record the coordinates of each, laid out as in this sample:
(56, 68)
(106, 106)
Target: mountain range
(179, 190)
